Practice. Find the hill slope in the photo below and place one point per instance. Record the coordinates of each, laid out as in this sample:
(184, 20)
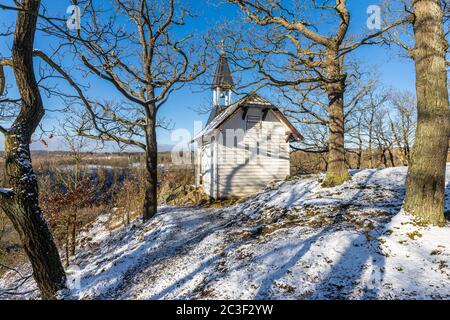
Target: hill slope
(295, 240)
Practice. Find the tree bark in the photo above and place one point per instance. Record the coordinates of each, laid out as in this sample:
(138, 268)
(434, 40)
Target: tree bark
(21, 202)
(360, 151)
(360, 145)
(151, 167)
(425, 183)
(22, 208)
(67, 244)
(370, 152)
(73, 232)
(391, 156)
(337, 172)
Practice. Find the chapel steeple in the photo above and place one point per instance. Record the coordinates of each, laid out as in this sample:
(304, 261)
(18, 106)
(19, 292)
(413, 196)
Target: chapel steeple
(223, 82)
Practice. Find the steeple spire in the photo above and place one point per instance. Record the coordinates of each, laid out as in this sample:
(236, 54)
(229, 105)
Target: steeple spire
(222, 47)
(223, 81)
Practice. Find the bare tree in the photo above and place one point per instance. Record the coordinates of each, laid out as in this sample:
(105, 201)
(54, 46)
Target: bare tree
(307, 107)
(145, 62)
(425, 183)
(309, 56)
(425, 42)
(78, 190)
(402, 120)
(20, 200)
(360, 123)
(356, 135)
(383, 139)
(373, 122)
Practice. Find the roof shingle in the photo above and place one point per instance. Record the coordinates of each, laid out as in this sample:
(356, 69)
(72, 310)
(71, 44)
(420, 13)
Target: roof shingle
(223, 78)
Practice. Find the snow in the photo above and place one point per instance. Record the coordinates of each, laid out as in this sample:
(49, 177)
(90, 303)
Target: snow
(6, 192)
(294, 240)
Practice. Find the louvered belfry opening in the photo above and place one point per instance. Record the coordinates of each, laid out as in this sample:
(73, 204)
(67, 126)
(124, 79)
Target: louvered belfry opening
(223, 84)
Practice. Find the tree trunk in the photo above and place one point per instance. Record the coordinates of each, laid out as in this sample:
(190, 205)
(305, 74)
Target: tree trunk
(151, 169)
(22, 208)
(21, 202)
(360, 146)
(73, 233)
(383, 159)
(391, 156)
(67, 243)
(337, 172)
(400, 149)
(425, 183)
(359, 158)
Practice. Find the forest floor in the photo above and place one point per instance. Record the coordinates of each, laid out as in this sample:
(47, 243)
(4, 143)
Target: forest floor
(294, 240)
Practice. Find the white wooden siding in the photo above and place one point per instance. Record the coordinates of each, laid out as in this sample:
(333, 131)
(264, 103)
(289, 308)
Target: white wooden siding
(242, 172)
(208, 167)
(229, 171)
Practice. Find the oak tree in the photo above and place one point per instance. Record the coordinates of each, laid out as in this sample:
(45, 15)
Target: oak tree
(20, 200)
(425, 183)
(139, 48)
(310, 54)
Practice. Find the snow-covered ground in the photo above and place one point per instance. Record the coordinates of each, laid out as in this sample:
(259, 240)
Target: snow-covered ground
(295, 240)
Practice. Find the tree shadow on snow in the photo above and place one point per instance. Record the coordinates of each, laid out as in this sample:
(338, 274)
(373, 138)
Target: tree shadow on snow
(345, 275)
(351, 265)
(139, 261)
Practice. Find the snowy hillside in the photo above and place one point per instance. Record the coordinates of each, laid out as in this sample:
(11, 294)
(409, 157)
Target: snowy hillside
(295, 240)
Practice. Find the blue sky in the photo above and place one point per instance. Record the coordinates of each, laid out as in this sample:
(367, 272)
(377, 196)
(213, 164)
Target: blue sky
(394, 71)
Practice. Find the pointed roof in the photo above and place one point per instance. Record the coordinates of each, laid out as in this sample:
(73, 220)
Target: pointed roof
(251, 100)
(215, 111)
(223, 78)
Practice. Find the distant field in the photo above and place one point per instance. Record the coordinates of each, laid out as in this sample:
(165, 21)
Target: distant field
(107, 183)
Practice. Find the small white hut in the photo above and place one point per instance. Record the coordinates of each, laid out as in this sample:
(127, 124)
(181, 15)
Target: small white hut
(244, 145)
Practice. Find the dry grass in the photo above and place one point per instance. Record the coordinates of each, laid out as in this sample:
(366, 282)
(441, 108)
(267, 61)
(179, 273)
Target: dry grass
(114, 186)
